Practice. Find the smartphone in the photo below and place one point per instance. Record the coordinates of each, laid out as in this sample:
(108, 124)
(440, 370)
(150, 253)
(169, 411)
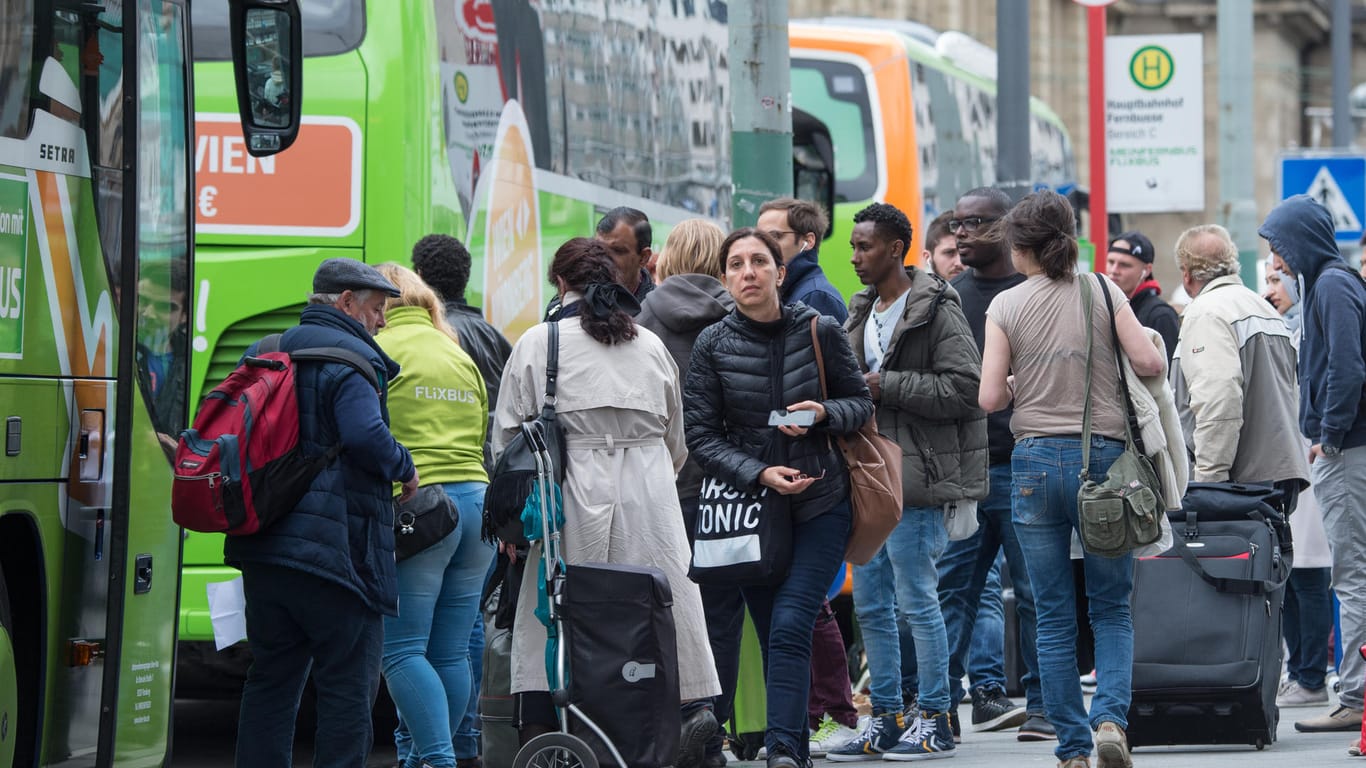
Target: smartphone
(782, 417)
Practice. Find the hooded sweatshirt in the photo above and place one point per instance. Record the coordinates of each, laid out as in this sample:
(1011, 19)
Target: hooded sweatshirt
(676, 311)
(1332, 370)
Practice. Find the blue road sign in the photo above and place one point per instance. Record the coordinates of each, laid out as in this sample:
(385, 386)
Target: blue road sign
(1339, 182)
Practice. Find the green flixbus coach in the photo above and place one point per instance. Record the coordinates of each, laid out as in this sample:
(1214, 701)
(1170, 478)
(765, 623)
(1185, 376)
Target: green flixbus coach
(95, 261)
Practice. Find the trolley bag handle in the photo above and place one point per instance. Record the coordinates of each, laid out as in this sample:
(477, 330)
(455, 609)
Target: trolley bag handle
(1227, 584)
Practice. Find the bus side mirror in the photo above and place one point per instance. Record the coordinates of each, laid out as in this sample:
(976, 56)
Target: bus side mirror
(267, 58)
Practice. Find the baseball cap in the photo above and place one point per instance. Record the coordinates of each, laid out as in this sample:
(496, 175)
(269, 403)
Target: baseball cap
(1139, 246)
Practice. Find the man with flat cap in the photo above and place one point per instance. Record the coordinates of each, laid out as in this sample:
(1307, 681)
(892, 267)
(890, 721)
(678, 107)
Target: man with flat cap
(1130, 266)
(318, 580)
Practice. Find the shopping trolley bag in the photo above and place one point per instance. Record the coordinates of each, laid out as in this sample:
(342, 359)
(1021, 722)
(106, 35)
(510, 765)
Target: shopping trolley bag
(623, 661)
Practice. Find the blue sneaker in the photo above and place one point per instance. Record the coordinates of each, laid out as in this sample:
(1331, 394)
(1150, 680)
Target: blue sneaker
(880, 735)
(930, 737)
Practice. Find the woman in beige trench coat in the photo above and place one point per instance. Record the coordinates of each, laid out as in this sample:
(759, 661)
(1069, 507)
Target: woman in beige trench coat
(619, 400)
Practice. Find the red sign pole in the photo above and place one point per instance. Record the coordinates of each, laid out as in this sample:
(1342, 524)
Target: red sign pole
(1095, 77)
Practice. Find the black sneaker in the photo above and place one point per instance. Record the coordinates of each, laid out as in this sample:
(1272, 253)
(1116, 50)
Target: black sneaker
(1036, 728)
(992, 711)
(716, 760)
(698, 728)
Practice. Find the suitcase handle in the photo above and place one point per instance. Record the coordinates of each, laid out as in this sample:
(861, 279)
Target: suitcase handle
(1225, 584)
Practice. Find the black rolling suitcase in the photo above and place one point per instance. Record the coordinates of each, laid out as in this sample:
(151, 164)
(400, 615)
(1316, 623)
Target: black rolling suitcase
(623, 661)
(1207, 622)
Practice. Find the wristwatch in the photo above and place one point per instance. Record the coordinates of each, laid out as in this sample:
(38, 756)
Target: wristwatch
(1329, 450)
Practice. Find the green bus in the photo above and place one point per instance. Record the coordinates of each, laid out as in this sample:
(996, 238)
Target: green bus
(515, 125)
(95, 262)
(511, 124)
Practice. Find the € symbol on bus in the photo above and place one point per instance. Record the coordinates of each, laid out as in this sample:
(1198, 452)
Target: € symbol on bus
(1151, 67)
(206, 196)
(462, 87)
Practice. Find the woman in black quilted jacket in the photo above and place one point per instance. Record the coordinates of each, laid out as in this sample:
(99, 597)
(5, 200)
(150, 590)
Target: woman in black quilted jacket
(758, 359)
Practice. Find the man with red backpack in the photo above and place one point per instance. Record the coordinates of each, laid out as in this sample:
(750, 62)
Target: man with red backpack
(318, 579)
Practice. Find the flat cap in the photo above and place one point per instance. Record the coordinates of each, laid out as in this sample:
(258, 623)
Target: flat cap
(337, 275)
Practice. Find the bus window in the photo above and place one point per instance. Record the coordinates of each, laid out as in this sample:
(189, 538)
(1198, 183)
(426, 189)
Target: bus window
(329, 27)
(836, 92)
(163, 237)
(16, 62)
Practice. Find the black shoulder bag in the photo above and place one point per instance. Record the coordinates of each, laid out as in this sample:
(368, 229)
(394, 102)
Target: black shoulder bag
(428, 517)
(516, 471)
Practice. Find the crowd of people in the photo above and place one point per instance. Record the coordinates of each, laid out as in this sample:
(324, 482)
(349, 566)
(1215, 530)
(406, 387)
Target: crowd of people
(992, 367)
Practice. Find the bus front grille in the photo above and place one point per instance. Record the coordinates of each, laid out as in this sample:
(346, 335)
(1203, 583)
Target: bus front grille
(243, 334)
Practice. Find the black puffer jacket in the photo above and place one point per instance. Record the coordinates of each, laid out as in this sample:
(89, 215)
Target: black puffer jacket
(741, 370)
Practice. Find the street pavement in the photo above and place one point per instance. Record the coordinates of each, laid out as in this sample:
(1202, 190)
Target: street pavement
(1291, 750)
(205, 732)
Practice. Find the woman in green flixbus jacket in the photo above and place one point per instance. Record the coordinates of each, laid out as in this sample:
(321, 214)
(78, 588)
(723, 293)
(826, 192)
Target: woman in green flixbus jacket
(438, 409)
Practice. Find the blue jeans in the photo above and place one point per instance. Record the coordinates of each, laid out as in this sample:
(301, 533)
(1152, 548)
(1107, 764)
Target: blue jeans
(1307, 619)
(986, 654)
(426, 647)
(295, 621)
(965, 588)
(1044, 503)
(900, 586)
(784, 617)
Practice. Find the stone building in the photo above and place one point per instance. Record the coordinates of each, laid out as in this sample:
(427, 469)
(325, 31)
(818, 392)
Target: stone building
(1290, 68)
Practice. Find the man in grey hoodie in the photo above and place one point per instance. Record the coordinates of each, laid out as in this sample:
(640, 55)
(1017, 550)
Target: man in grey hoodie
(1333, 416)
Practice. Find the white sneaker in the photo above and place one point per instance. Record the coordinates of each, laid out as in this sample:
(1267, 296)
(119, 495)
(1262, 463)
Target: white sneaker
(830, 735)
(1292, 694)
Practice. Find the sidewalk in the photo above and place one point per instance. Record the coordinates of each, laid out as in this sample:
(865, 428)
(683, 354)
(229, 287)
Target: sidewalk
(1291, 750)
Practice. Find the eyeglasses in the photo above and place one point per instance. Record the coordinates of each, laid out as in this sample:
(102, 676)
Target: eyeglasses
(970, 224)
(804, 476)
(777, 234)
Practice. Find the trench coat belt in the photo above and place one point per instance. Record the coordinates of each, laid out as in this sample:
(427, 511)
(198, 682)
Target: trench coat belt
(609, 443)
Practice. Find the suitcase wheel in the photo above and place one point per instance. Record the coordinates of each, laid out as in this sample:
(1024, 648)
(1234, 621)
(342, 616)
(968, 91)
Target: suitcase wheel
(555, 750)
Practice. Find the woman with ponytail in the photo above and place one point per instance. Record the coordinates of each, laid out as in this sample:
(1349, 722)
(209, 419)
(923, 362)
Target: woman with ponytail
(619, 400)
(1037, 331)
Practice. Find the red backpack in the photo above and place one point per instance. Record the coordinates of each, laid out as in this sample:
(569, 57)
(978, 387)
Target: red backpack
(240, 467)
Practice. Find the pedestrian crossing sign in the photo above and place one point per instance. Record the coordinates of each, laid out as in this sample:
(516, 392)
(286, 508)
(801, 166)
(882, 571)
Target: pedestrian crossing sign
(1336, 181)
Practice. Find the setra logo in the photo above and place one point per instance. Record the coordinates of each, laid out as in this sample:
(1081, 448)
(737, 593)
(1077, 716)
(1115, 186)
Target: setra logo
(1151, 67)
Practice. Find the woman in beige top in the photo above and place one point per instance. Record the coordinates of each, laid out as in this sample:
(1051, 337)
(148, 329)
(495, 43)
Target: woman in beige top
(1037, 331)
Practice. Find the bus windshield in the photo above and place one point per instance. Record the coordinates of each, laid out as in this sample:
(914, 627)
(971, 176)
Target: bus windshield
(329, 27)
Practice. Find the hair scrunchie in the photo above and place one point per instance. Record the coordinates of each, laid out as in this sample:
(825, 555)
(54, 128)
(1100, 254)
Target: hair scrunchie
(602, 299)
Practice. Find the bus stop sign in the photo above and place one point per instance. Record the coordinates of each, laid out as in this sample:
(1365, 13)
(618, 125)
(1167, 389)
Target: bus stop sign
(1336, 181)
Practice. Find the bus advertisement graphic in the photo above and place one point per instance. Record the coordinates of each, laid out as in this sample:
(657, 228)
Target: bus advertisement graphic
(311, 189)
(512, 237)
(13, 261)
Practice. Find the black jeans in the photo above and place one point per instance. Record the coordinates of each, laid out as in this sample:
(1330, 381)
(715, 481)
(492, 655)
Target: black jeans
(296, 621)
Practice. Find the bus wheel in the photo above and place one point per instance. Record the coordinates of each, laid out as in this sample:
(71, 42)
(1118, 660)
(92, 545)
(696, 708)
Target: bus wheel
(9, 680)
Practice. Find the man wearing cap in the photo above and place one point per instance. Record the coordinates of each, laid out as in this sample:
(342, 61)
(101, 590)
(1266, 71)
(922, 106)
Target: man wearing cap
(318, 580)
(1130, 266)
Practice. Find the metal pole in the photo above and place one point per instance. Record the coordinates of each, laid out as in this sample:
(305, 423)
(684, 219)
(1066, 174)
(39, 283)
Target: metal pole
(1012, 98)
(1095, 87)
(761, 108)
(1237, 198)
(1342, 73)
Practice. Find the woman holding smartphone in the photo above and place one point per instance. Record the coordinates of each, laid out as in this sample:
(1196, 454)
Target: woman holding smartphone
(757, 367)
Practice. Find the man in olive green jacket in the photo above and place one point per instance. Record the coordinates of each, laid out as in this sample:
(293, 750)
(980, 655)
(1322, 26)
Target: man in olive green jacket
(922, 367)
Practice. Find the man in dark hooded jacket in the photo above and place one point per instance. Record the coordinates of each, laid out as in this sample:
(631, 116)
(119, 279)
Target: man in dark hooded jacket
(799, 226)
(319, 579)
(1332, 376)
